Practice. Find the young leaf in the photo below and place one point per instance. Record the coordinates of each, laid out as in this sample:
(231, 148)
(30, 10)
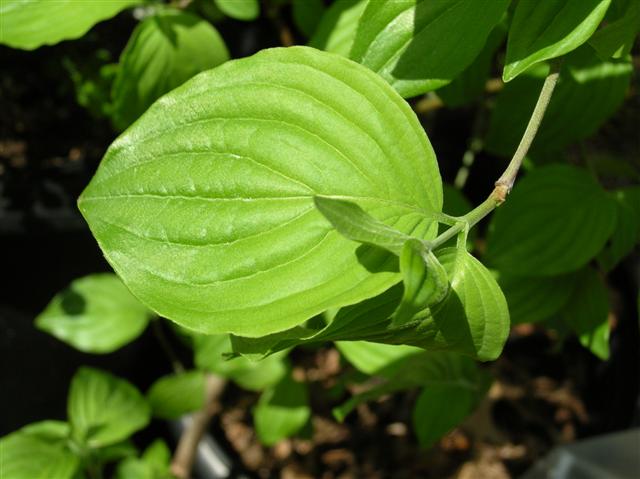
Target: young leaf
(421, 45)
(354, 223)
(95, 314)
(338, 26)
(307, 15)
(556, 220)
(164, 51)
(439, 409)
(157, 455)
(103, 409)
(587, 313)
(544, 30)
(425, 282)
(205, 205)
(281, 411)
(626, 234)
(246, 10)
(30, 24)
(371, 358)
(210, 352)
(616, 38)
(154, 464)
(589, 91)
(532, 300)
(173, 396)
(26, 456)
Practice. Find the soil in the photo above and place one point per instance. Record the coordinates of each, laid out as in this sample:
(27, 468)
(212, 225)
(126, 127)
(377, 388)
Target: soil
(544, 394)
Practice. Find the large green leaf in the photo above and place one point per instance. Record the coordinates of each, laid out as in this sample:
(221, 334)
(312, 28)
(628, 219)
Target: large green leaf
(338, 26)
(544, 30)
(211, 354)
(371, 358)
(104, 409)
(173, 396)
(589, 91)
(28, 24)
(622, 24)
(587, 313)
(245, 10)
(532, 300)
(421, 45)
(626, 234)
(205, 205)
(474, 319)
(26, 456)
(95, 314)
(164, 51)
(556, 220)
(281, 411)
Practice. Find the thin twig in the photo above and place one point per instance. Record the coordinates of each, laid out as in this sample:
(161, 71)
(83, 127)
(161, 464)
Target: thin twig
(185, 453)
(505, 182)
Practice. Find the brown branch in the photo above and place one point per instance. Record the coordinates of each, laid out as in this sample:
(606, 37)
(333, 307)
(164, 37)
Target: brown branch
(185, 453)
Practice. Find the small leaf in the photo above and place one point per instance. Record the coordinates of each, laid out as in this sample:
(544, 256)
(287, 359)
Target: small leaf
(281, 411)
(589, 91)
(354, 223)
(439, 409)
(164, 51)
(587, 313)
(425, 282)
(103, 409)
(157, 455)
(307, 15)
(246, 10)
(95, 314)
(211, 352)
(543, 30)
(27, 456)
(626, 234)
(176, 395)
(533, 300)
(371, 358)
(421, 45)
(615, 39)
(30, 24)
(338, 26)
(209, 196)
(555, 221)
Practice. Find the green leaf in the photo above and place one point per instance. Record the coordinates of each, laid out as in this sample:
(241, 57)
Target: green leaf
(421, 45)
(154, 464)
(26, 456)
(544, 30)
(589, 91)
(104, 409)
(200, 204)
(427, 369)
(354, 223)
(439, 409)
(556, 220)
(175, 395)
(587, 313)
(470, 84)
(338, 26)
(615, 39)
(157, 455)
(425, 282)
(474, 319)
(307, 15)
(95, 314)
(49, 431)
(32, 23)
(371, 358)
(245, 10)
(281, 411)
(211, 354)
(626, 234)
(533, 300)
(164, 51)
